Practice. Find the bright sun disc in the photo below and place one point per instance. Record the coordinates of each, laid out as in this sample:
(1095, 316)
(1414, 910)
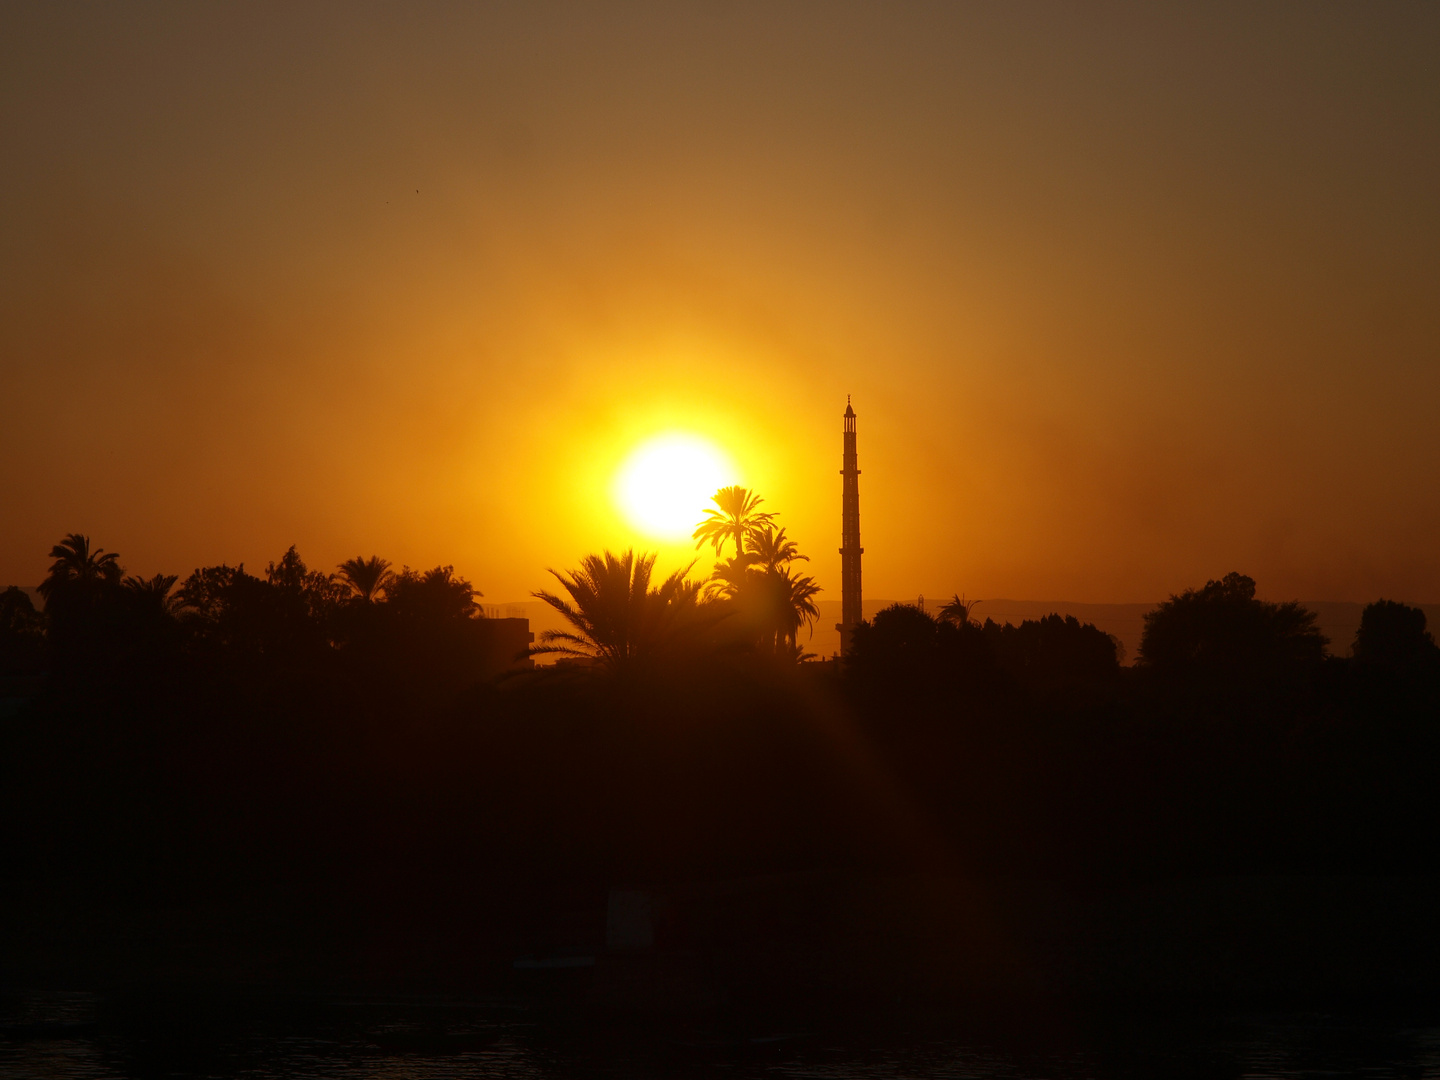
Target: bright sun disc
(665, 486)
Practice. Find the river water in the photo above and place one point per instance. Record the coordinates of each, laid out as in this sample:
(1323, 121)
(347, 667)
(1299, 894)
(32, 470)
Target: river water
(59, 1036)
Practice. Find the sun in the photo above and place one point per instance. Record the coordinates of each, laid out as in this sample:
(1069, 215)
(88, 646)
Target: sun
(664, 486)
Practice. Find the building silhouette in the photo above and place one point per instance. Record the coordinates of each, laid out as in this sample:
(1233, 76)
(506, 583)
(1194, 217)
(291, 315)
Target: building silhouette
(504, 644)
(850, 549)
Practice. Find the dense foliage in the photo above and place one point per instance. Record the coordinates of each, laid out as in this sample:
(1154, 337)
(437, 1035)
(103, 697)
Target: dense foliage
(310, 735)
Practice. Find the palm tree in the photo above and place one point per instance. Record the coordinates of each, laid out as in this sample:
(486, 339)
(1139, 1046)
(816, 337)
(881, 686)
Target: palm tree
(957, 610)
(617, 617)
(772, 550)
(153, 593)
(367, 578)
(771, 600)
(798, 607)
(736, 519)
(730, 577)
(76, 564)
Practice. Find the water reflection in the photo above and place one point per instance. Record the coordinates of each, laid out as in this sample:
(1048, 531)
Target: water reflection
(50, 1036)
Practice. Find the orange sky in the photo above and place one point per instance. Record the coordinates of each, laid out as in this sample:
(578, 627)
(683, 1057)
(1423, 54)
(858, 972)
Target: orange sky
(1127, 297)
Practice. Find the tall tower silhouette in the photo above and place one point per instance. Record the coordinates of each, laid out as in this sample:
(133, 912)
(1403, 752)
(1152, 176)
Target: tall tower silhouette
(850, 550)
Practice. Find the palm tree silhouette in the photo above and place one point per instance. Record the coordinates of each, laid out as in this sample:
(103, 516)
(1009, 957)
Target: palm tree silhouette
(76, 564)
(730, 578)
(736, 519)
(957, 610)
(367, 578)
(797, 595)
(772, 550)
(153, 593)
(759, 583)
(617, 617)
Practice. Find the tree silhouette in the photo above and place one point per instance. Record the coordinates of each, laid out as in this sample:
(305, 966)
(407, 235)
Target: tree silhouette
(244, 618)
(772, 550)
(80, 610)
(428, 630)
(1221, 632)
(736, 520)
(435, 595)
(618, 619)
(76, 565)
(957, 610)
(759, 586)
(204, 596)
(17, 612)
(21, 632)
(797, 595)
(153, 595)
(319, 593)
(367, 578)
(1055, 654)
(896, 651)
(1393, 635)
(728, 578)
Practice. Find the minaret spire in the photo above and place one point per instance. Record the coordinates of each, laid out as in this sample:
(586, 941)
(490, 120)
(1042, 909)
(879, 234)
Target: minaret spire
(850, 549)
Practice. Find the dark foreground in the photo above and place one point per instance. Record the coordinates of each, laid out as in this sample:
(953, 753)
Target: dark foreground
(815, 975)
(57, 1035)
(288, 845)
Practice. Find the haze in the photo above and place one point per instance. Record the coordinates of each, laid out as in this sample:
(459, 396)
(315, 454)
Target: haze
(1126, 297)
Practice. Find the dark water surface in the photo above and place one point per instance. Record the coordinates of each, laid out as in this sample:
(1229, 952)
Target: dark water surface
(63, 1036)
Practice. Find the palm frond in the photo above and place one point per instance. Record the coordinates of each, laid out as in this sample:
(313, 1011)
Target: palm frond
(772, 549)
(76, 562)
(957, 610)
(615, 612)
(367, 578)
(735, 518)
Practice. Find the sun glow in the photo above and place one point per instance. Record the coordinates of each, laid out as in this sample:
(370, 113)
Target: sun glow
(664, 487)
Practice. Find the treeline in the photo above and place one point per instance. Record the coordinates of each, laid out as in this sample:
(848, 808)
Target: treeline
(334, 738)
(1234, 744)
(100, 626)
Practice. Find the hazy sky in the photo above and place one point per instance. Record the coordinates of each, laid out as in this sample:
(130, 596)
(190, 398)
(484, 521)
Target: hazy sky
(1127, 296)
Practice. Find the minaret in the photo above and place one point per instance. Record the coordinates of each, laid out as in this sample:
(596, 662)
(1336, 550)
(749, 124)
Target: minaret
(850, 551)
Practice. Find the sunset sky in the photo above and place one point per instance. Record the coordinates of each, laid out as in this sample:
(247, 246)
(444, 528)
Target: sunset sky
(1126, 296)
